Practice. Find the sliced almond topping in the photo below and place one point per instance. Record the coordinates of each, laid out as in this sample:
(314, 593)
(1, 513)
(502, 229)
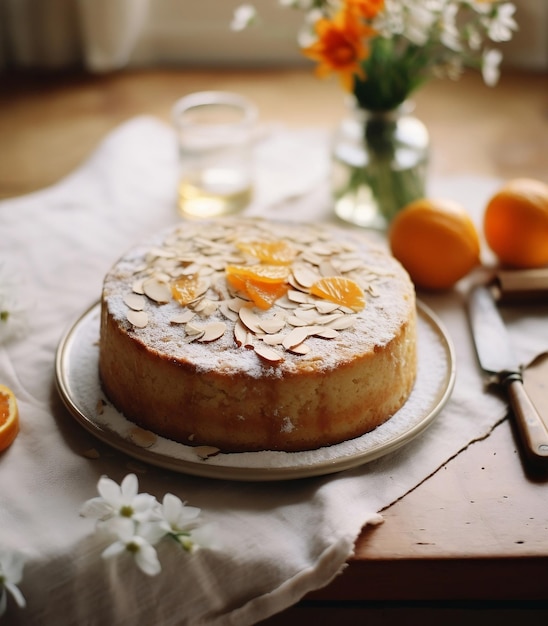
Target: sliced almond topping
(346, 310)
(322, 249)
(139, 319)
(305, 275)
(312, 258)
(193, 329)
(301, 349)
(213, 331)
(161, 252)
(206, 270)
(190, 270)
(307, 314)
(327, 269)
(225, 310)
(272, 325)
(183, 318)
(142, 438)
(274, 340)
(140, 268)
(324, 307)
(293, 320)
(295, 337)
(91, 454)
(193, 338)
(250, 319)
(206, 307)
(298, 296)
(235, 304)
(157, 290)
(134, 301)
(323, 333)
(204, 452)
(327, 319)
(346, 321)
(268, 353)
(137, 286)
(285, 303)
(241, 334)
(161, 276)
(350, 265)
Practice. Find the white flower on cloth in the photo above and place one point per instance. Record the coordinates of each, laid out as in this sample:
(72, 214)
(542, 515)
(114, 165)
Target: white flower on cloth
(13, 317)
(11, 573)
(137, 522)
(184, 524)
(138, 540)
(119, 501)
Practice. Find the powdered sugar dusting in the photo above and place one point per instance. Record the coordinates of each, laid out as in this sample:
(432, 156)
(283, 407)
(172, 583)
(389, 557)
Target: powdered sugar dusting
(204, 251)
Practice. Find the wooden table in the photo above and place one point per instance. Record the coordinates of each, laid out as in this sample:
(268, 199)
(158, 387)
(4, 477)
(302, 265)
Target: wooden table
(470, 542)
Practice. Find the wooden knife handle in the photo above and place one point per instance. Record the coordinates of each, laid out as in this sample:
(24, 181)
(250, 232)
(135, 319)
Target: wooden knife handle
(531, 427)
(521, 286)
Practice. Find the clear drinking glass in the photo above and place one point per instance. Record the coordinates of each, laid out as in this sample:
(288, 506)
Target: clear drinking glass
(215, 131)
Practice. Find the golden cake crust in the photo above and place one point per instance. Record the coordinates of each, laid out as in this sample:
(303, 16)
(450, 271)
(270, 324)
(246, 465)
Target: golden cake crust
(224, 373)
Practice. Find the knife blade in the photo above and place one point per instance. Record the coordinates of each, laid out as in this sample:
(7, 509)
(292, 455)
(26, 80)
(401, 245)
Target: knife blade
(497, 359)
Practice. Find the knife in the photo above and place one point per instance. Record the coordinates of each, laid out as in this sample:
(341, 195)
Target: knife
(497, 359)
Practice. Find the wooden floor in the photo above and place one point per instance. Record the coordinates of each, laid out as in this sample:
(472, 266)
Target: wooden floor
(481, 510)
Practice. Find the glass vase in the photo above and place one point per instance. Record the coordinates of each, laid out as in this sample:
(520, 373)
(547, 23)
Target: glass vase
(379, 164)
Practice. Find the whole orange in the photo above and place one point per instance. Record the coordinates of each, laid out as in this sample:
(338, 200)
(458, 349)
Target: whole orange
(436, 241)
(515, 223)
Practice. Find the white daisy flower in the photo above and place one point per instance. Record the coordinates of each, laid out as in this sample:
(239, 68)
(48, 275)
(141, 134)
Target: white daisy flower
(243, 16)
(139, 541)
(490, 67)
(119, 501)
(13, 315)
(11, 573)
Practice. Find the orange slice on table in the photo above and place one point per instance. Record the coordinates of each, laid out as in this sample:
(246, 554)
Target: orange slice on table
(271, 252)
(341, 290)
(9, 417)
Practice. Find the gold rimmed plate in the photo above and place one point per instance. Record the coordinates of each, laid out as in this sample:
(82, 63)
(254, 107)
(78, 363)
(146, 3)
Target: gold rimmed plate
(77, 377)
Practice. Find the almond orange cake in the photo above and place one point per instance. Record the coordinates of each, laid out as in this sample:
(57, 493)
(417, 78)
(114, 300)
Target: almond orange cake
(246, 334)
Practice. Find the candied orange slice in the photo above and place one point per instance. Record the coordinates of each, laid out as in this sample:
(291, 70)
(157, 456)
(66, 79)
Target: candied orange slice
(186, 289)
(263, 295)
(9, 417)
(262, 284)
(272, 252)
(343, 291)
(259, 272)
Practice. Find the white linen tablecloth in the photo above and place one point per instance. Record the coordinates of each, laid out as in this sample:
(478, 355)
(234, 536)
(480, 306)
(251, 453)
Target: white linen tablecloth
(278, 540)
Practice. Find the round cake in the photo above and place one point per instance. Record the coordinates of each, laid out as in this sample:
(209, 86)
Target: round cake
(244, 334)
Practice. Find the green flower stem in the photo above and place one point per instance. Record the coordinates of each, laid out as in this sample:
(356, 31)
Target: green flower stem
(389, 173)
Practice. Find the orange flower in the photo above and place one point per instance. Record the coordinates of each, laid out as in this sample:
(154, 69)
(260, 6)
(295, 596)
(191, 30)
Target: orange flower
(366, 8)
(340, 47)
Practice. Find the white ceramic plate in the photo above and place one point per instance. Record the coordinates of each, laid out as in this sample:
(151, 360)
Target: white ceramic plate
(78, 383)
